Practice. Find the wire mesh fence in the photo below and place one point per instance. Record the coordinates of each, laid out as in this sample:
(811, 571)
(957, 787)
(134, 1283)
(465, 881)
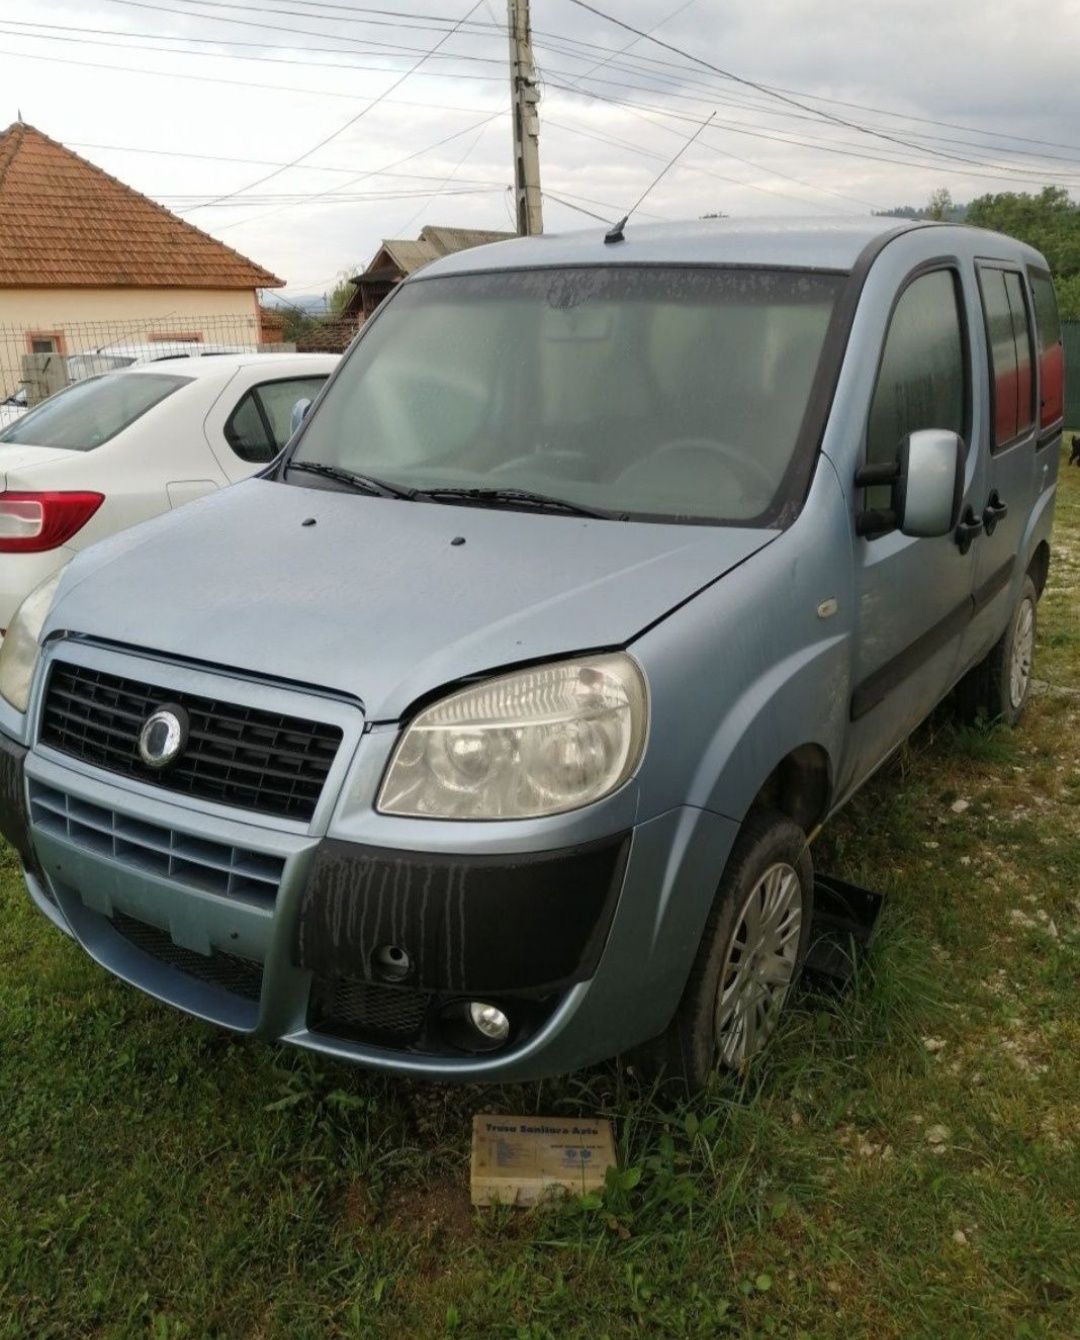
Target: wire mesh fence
(38, 359)
(1070, 331)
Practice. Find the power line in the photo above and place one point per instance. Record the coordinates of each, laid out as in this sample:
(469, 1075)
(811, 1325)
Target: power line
(750, 83)
(298, 32)
(550, 195)
(408, 20)
(393, 50)
(823, 146)
(606, 60)
(228, 55)
(254, 162)
(363, 176)
(711, 97)
(442, 188)
(330, 198)
(236, 83)
(327, 139)
(1033, 173)
(691, 167)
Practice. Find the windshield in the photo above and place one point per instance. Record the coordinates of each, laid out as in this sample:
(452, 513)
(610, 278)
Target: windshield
(636, 391)
(81, 366)
(87, 414)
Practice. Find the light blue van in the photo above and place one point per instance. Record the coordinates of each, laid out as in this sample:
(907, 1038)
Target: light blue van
(485, 733)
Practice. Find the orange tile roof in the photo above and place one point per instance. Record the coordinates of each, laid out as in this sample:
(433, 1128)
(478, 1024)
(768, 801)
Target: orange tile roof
(65, 223)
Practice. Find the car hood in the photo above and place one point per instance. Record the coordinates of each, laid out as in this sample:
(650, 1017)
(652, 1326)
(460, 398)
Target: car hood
(379, 599)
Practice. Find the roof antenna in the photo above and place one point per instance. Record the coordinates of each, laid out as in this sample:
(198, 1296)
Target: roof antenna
(615, 233)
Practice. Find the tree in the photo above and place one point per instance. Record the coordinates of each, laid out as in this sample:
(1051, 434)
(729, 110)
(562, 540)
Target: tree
(940, 206)
(338, 297)
(297, 323)
(1048, 221)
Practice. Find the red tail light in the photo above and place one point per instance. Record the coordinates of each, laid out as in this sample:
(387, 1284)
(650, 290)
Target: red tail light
(33, 522)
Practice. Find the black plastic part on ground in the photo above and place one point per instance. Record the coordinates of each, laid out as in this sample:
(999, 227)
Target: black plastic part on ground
(845, 919)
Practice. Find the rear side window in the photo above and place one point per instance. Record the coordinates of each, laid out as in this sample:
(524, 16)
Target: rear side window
(259, 426)
(1051, 355)
(91, 412)
(1008, 330)
(922, 381)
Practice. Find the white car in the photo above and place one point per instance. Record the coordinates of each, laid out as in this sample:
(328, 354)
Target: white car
(12, 407)
(128, 353)
(125, 446)
(113, 357)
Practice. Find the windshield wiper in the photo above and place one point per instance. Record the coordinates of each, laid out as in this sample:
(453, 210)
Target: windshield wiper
(542, 502)
(352, 479)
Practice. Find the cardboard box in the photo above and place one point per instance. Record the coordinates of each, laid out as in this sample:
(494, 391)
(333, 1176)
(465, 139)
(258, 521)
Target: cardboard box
(521, 1160)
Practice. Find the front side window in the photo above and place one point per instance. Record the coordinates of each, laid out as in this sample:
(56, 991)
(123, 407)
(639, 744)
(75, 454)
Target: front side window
(1009, 338)
(1051, 354)
(260, 424)
(91, 412)
(642, 392)
(922, 380)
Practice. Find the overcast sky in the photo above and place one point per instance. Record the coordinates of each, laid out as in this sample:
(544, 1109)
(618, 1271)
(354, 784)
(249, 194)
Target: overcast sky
(240, 82)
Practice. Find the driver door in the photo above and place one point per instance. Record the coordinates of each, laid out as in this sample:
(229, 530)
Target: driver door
(913, 595)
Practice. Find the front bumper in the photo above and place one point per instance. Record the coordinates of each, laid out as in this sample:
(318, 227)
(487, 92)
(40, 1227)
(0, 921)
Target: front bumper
(276, 929)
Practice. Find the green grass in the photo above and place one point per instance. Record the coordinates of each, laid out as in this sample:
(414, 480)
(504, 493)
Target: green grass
(903, 1162)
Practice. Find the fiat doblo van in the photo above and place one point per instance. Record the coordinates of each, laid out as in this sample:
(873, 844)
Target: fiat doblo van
(484, 734)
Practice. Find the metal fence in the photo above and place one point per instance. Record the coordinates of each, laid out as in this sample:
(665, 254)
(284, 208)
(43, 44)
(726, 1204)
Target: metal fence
(1070, 334)
(36, 361)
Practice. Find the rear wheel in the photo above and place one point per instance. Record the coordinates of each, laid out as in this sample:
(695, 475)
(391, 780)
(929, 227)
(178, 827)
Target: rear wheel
(998, 688)
(753, 946)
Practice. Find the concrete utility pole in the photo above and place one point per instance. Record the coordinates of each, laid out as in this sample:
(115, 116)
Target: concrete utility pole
(525, 95)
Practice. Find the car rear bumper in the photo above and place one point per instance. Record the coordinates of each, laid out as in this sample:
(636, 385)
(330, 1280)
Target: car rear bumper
(585, 948)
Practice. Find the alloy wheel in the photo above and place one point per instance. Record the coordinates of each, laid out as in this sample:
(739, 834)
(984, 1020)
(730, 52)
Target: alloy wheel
(759, 965)
(1023, 650)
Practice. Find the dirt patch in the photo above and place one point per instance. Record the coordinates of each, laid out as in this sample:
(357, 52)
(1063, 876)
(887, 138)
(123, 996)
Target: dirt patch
(428, 1212)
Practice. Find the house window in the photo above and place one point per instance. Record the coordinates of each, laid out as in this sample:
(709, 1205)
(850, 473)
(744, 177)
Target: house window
(45, 341)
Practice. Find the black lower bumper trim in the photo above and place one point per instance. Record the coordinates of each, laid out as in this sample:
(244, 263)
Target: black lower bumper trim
(472, 924)
(14, 817)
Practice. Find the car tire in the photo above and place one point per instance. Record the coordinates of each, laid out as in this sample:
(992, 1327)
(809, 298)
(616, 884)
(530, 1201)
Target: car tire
(998, 688)
(728, 1011)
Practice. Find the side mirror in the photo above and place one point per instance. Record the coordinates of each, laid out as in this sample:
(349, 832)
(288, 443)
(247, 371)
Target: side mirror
(299, 414)
(927, 481)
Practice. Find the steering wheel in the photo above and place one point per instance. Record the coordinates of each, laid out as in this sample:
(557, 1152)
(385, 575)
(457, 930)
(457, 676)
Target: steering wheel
(750, 470)
(561, 464)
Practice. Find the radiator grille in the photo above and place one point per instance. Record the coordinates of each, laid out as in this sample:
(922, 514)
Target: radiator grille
(216, 867)
(237, 975)
(352, 1008)
(234, 755)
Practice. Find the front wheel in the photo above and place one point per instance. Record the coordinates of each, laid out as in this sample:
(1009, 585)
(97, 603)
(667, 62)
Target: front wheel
(754, 943)
(998, 688)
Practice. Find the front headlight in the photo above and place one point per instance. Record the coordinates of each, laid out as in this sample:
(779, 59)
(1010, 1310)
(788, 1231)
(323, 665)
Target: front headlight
(19, 649)
(541, 741)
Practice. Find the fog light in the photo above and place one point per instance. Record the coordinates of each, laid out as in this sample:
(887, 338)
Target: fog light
(489, 1021)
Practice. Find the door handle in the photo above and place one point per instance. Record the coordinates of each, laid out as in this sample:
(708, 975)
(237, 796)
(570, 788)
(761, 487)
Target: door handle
(994, 512)
(968, 530)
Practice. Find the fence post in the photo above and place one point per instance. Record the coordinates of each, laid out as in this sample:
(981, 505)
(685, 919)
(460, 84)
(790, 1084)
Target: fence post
(43, 375)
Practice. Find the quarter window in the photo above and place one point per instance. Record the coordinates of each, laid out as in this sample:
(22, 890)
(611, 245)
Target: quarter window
(922, 381)
(259, 426)
(1008, 331)
(1051, 355)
